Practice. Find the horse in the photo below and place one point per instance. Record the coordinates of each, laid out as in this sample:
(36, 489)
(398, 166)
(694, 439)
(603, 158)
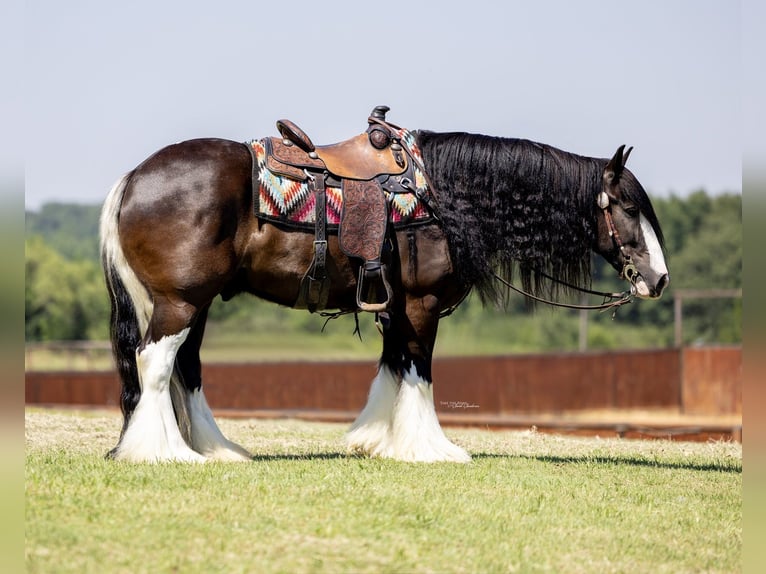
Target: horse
(181, 229)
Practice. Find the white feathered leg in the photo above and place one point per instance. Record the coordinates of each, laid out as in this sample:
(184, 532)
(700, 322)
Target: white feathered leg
(371, 432)
(152, 434)
(400, 422)
(207, 438)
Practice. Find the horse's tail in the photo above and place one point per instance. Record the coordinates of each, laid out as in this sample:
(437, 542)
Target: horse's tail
(130, 302)
(132, 308)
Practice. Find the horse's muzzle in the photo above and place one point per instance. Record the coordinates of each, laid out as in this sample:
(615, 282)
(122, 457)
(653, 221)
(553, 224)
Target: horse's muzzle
(646, 291)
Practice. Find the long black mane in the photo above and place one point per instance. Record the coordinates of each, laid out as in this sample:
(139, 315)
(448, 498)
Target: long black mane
(513, 206)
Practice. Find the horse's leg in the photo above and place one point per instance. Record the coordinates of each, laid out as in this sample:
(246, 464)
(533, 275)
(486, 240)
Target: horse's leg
(399, 420)
(371, 432)
(152, 433)
(204, 435)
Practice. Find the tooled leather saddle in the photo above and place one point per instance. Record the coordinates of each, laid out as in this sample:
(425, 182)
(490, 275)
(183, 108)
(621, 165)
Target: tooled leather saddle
(366, 168)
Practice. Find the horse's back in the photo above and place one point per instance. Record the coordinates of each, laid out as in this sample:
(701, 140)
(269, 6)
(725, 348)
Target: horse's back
(185, 213)
(186, 172)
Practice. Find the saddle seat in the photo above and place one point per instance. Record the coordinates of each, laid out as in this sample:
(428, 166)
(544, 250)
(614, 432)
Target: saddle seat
(362, 157)
(356, 158)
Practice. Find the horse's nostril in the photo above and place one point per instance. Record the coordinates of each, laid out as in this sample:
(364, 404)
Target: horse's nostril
(662, 283)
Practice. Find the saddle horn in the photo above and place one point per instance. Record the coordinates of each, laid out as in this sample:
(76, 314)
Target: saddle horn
(378, 132)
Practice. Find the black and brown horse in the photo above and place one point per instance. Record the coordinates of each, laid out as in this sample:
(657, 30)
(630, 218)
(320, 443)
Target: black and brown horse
(181, 229)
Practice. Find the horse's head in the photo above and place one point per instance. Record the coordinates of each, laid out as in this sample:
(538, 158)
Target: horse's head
(629, 235)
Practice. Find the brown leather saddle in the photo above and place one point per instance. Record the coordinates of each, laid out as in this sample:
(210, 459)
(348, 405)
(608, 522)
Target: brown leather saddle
(366, 167)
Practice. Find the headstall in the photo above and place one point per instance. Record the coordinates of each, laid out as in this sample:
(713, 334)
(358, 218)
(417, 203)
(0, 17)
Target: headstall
(629, 271)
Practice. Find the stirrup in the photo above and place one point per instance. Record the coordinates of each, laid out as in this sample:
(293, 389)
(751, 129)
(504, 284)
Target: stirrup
(372, 270)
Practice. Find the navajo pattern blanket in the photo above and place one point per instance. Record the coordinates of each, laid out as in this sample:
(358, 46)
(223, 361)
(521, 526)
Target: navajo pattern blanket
(290, 201)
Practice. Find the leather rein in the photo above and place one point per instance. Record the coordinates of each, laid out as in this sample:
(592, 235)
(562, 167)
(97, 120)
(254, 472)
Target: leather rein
(611, 300)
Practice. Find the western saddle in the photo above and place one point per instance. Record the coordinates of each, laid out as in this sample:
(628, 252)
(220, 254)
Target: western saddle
(366, 167)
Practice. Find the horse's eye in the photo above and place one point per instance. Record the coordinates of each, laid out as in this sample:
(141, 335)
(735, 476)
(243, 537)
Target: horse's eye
(632, 210)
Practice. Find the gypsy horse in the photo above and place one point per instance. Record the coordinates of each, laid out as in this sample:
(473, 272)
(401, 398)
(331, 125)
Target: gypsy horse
(181, 229)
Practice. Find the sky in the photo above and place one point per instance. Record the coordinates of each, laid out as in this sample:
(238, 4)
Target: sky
(108, 83)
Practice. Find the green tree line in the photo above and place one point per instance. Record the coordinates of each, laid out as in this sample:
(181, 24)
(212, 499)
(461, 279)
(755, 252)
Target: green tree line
(65, 296)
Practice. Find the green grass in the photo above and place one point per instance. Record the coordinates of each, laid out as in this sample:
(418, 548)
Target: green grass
(528, 502)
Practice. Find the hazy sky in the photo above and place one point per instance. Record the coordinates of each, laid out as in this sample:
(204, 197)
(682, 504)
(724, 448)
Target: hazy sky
(109, 83)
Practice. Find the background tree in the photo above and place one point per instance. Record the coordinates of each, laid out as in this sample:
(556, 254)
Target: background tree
(63, 299)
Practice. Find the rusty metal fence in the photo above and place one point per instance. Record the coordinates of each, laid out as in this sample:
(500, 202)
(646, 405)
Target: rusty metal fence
(677, 392)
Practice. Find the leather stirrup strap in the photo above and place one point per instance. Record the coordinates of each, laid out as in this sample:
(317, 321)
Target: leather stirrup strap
(320, 233)
(317, 287)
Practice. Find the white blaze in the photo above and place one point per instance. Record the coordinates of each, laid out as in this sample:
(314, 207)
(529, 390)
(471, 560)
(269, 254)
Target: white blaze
(656, 259)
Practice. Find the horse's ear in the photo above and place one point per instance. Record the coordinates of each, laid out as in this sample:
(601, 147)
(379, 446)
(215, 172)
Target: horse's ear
(625, 156)
(613, 169)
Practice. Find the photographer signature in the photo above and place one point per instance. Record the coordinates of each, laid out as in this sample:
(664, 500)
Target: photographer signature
(458, 405)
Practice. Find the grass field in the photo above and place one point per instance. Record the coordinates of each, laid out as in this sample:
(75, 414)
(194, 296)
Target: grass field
(528, 502)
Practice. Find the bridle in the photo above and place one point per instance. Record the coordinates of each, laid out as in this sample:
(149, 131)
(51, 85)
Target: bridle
(611, 300)
(629, 271)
